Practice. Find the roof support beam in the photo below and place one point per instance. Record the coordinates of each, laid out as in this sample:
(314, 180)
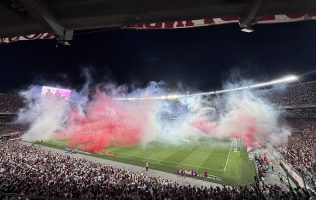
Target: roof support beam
(40, 12)
(62, 16)
(249, 17)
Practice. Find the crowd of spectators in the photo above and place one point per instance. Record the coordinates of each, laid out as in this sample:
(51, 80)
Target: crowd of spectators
(300, 113)
(7, 129)
(10, 103)
(298, 95)
(300, 149)
(31, 170)
(298, 104)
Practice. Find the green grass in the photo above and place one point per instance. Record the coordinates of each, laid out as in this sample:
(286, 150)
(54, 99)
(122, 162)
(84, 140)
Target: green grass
(232, 168)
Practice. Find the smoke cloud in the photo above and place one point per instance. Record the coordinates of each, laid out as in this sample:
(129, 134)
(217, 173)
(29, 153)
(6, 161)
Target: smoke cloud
(91, 120)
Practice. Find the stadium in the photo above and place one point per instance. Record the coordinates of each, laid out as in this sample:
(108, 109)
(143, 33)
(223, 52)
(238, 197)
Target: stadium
(226, 161)
(137, 101)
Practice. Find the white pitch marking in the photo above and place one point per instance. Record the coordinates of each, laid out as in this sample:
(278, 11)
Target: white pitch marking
(231, 144)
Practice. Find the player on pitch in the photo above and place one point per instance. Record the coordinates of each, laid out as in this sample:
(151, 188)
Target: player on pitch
(146, 166)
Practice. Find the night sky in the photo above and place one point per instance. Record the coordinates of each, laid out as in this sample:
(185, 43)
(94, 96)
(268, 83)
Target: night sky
(195, 59)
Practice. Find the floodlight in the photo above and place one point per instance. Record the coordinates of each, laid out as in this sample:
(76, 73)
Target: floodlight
(247, 29)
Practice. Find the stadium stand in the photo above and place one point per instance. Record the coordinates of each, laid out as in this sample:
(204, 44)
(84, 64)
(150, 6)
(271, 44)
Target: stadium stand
(298, 103)
(32, 170)
(10, 103)
(35, 173)
(298, 95)
(300, 150)
(11, 130)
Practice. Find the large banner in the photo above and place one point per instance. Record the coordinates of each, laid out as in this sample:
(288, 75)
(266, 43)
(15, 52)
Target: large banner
(6, 40)
(223, 20)
(181, 24)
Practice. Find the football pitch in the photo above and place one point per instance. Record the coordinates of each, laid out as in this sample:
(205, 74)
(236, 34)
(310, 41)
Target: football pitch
(226, 161)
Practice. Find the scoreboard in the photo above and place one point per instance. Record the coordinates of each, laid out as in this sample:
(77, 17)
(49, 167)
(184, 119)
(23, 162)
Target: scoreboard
(54, 92)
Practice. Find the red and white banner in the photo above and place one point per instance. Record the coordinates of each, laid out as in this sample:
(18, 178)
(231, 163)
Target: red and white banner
(223, 20)
(181, 24)
(6, 40)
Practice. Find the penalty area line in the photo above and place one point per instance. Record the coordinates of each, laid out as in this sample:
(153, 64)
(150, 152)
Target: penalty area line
(231, 144)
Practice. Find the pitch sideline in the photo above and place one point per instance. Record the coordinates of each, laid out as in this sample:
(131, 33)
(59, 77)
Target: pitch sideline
(231, 144)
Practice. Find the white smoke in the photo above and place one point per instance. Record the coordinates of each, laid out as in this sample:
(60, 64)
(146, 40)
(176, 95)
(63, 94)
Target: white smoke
(248, 116)
(243, 114)
(45, 115)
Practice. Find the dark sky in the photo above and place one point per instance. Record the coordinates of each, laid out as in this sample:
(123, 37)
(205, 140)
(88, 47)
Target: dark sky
(199, 58)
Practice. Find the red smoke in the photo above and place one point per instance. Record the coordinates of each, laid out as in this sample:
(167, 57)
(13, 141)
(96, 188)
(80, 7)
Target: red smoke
(247, 133)
(104, 122)
(248, 136)
(203, 125)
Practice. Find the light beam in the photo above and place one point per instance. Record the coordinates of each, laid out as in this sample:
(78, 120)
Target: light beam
(286, 79)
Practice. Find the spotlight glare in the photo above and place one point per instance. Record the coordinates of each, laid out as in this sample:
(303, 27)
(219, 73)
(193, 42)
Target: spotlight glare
(291, 78)
(247, 30)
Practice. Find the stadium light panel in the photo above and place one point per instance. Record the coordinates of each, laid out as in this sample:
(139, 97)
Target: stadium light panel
(247, 30)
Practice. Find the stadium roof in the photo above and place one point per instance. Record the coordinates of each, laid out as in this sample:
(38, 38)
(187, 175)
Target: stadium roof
(62, 17)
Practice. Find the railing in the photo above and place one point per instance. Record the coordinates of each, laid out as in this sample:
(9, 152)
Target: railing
(308, 179)
(291, 171)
